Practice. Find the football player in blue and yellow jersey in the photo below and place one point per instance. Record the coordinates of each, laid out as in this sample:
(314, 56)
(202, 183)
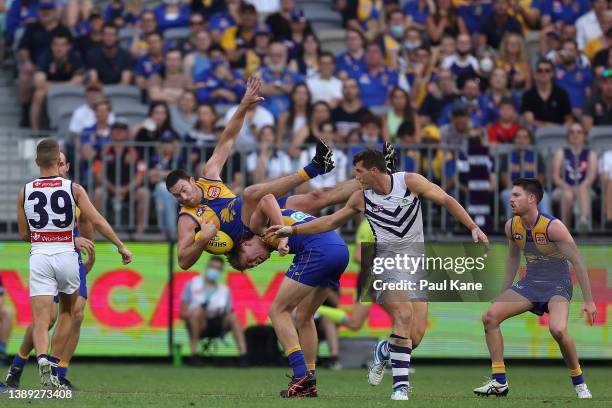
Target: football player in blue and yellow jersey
(84, 241)
(546, 288)
(212, 217)
(318, 263)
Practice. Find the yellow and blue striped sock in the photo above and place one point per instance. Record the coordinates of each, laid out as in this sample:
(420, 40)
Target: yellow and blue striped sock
(576, 375)
(296, 361)
(498, 372)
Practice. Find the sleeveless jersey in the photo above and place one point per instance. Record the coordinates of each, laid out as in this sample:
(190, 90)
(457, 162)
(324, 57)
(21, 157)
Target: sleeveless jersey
(51, 213)
(576, 165)
(396, 216)
(544, 259)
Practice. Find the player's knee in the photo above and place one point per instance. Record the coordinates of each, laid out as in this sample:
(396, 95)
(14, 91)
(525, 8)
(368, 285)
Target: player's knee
(303, 319)
(317, 198)
(252, 192)
(490, 319)
(77, 317)
(557, 332)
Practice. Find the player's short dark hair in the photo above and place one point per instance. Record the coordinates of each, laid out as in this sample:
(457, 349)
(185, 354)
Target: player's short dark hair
(47, 153)
(530, 185)
(174, 176)
(371, 158)
(233, 258)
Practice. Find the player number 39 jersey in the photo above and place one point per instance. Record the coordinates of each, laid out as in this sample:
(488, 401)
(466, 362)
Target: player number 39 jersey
(50, 210)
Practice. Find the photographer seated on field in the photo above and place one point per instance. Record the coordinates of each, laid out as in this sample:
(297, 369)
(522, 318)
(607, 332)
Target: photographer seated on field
(206, 308)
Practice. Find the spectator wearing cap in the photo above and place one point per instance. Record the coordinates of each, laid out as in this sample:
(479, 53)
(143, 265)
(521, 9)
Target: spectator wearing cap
(114, 173)
(351, 60)
(267, 162)
(197, 24)
(598, 111)
(347, 115)
(573, 78)
(109, 64)
(198, 60)
(146, 24)
(472, 101)
(58, 66)
(442, 93)
(256, 56)
(457, 130)
(309, 135)
(237, 39)
(300, 29)
(84, 116)
(183, 114)
(277, 80)
(564, 11)
(219, 85)
(462, 63)
(500, 22)
(20, 13)
(35, 42)
(172, 14)
(506, 126)
(375, 80)
(365, 18)
(224, 19)
(169, 83)
(279, 22)
(473, 13)
(588, 26)
(325, 86)
(115, 13)
(93, 37)
(152, 62)
(306, 62)
(545, 103)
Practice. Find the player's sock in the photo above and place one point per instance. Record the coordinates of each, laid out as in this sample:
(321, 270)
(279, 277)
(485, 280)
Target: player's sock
(312, 368)
(19, 360)
(400, 364)
(42, 356)
(577, 377)
(498, 372)
(334, 314)
(62, 369)
(296, 361)
(54, 362)
(310, 171)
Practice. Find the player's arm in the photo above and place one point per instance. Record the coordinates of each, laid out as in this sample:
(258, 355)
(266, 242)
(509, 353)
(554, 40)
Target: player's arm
(558, 233)
(212, 168)
(189, 248)
(426, 189)
(514, 258)
(22, 222)
(85, 240)
(354, 205)
(99, 223)
(268, 212)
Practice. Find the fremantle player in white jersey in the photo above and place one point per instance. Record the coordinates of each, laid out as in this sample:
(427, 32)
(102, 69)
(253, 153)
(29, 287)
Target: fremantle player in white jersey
(46, 213)
(392, 205)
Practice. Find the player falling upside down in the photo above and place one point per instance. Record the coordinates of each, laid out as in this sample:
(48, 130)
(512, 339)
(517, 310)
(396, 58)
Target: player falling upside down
(392, 205)
(317, 266)
(546, 288)
(46, 209)
(212, 218)
(83, 239)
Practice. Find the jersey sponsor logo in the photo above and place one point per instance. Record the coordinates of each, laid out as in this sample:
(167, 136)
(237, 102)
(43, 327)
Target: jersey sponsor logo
(47, 183)
(298, 216)
(213, 192)
(518, 236)
(377, 208)
(52, 236)
(540, 238)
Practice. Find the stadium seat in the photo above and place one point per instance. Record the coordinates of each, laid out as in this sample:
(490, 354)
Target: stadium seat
(600, 138)
(65, 97)
(323, 18)
(379, 110)
(122, 94)
(174, 35)
(550, 138)
(332, 40)
(133, 114)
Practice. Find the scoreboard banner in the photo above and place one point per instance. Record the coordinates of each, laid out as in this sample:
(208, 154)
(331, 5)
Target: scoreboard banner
(128, 308)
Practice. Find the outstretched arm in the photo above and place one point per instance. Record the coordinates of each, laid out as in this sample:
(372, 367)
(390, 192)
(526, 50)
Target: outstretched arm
(354, 205)
(99, 222)
(426, 189)
(212, 168)
(558, 233)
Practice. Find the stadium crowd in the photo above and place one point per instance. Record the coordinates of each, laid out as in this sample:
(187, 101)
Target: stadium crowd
(453, 82)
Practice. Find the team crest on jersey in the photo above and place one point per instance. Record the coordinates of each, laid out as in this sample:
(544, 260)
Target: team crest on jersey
(377, 208)
(200, 212)
(404, 202)
(213, 192)
(228, 213)
(540, 239)
(518, 236)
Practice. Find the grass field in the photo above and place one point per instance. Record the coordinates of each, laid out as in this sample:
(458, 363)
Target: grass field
(148, 385)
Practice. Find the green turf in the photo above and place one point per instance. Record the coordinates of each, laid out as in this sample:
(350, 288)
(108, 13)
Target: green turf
(142, 385)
